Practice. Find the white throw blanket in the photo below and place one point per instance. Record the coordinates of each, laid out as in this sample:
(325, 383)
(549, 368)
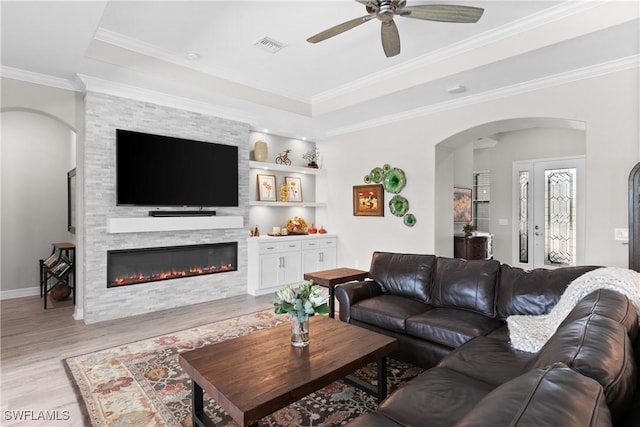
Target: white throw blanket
(530, 333)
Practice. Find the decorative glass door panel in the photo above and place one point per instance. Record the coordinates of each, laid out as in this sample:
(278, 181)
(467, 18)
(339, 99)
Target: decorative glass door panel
(548, 213)
(560, 217)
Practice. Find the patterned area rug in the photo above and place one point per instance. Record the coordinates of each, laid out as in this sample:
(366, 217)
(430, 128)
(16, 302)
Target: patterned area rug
(142, 383)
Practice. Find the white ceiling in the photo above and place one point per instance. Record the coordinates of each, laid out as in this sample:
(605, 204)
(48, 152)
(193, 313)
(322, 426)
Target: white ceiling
(140, 49)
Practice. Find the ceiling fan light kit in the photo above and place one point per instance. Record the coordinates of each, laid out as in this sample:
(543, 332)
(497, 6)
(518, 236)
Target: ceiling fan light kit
(385, 10)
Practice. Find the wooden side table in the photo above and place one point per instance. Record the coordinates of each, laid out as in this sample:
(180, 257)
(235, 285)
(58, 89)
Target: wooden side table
(331, 278)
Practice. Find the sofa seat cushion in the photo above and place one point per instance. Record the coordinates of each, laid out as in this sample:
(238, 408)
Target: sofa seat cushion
(599, 348)
(489, 360)
(470, 285)
(535, 291)
(406, 275)
(449, 326)
(554, 396)
(439, 397)
(387, 311)
(609, 304)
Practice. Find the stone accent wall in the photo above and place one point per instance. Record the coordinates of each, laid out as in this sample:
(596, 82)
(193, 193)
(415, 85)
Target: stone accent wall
(103, 115)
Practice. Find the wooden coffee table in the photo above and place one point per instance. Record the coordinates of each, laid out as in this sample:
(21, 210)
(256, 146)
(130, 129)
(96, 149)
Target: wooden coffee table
(254, 375)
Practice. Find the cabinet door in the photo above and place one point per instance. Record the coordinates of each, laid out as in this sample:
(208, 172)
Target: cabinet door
(290, 272)
(319, 259)
(270, 266)
(310, 261)
(328, 258)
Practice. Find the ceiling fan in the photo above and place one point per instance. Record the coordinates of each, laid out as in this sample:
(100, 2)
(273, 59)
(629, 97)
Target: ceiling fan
(385, 10)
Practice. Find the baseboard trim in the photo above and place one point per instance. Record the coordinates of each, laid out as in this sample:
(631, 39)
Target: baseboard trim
(19, 293)
(78, 314)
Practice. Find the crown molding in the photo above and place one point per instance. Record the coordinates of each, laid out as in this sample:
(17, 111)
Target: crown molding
(487, 38)
(107, 87)
(40, 79)
(530, 86)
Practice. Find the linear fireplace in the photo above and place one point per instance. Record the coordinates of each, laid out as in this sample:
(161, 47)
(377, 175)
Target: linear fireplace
(133, 266)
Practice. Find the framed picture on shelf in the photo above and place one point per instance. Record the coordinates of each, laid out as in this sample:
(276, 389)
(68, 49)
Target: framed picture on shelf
(295, 188)
(461, 204)
(266, 188)
(368, 200)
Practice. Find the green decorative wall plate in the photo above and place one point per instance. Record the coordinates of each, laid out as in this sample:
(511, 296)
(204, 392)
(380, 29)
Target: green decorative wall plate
(409, 220)
(376, 175)
(394, 181)
(398, 205)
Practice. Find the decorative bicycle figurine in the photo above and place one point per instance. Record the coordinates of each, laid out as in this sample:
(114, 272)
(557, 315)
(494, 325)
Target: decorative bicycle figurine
(283, 158)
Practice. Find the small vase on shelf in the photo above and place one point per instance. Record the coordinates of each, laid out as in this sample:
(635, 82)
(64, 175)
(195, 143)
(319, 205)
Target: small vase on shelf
(260, 151)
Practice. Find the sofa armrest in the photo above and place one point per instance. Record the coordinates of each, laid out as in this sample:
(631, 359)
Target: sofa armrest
(352, 292)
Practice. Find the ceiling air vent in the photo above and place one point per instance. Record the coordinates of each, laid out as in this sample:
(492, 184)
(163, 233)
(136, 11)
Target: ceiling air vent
(269, 44)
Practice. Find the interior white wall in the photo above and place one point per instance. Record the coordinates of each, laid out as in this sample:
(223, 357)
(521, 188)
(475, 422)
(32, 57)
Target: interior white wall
(37, 153)
(608, 105)
(529, 144)
(445, 176)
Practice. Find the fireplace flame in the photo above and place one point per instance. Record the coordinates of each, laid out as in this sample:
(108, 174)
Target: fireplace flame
(134, 278)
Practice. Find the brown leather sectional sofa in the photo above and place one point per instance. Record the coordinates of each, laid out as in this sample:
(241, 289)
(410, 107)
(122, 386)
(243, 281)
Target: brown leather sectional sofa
(449, 316)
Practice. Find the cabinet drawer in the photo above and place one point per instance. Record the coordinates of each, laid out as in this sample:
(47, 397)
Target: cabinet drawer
(329, 242)
(273, 247)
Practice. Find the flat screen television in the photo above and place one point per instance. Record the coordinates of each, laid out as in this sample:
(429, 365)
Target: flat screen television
(155, 170)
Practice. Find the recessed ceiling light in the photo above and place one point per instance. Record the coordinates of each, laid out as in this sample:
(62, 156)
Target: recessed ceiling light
(457, 89)
(193, 56)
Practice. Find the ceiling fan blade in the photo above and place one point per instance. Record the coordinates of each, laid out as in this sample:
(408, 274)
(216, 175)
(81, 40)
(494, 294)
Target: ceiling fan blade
(340, 28)
(442, 13)
(390, 38)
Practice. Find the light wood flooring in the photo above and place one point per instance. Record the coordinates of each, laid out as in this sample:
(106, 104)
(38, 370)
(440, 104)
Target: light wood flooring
(35, 341)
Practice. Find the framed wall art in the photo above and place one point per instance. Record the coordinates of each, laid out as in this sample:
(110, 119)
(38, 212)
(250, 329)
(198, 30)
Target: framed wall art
(461, 204)
(295, 188)
(368, 200)
(266, 188)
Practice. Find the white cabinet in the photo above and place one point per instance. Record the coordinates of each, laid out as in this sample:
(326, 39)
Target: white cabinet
(275, 262)
(319, 254)
(279, 264)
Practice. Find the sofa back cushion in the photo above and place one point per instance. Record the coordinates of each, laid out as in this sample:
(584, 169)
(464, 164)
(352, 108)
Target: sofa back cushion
(552, 396)
(406, 275)
(599, 348)
(532, 292)
(469, 285)
(607, 303)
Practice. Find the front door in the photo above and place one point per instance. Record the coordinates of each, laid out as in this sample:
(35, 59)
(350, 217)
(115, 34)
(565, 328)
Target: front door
(549, 213)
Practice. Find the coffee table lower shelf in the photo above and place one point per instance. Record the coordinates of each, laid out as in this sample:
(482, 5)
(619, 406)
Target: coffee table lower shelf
(249, 391)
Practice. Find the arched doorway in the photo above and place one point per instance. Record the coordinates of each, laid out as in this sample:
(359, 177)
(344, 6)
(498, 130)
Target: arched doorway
(37, 152)
(494, 147)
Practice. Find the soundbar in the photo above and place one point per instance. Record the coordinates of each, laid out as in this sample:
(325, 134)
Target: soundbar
(181, 213)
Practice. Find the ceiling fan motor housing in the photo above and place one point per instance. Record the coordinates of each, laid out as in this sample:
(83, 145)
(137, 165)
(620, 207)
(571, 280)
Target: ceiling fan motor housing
(385, 10)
